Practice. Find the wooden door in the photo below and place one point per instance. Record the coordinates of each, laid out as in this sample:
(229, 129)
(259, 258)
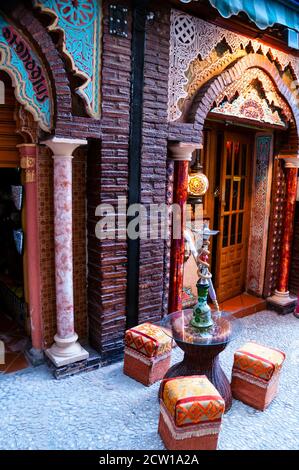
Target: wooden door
(233, 215)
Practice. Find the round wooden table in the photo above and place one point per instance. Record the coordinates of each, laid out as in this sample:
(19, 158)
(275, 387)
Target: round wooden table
(202, 348)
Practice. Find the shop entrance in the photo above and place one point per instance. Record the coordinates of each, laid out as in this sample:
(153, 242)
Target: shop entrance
(14, 324)
(232, 212)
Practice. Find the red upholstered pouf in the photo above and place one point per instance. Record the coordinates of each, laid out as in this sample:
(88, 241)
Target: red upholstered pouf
(255, 374)
(191, 411)
(147, 353)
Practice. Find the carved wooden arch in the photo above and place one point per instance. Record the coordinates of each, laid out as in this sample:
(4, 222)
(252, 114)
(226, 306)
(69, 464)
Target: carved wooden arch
(207, 95)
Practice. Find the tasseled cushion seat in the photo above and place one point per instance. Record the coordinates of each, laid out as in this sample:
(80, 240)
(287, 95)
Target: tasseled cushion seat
(191, 411)
(147, 353)
(255, 374)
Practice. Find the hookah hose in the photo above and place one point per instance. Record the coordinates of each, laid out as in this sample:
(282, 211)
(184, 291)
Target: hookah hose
(201, 258)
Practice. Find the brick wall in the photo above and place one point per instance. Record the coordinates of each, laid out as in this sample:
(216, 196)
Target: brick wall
(154, 155)
(46, 238)
(108, 179)
(79, 242)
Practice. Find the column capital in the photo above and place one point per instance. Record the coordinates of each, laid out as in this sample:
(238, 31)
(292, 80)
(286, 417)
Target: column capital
(291, 161)
(28, 154)
(63, 147)
(181, 151)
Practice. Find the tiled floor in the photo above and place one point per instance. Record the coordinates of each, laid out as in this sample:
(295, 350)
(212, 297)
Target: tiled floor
(243, 305)
(15, 341)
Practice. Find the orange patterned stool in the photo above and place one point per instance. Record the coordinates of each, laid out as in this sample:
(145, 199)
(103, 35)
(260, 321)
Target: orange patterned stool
(147, 353)
(255, 374)
(191, 411)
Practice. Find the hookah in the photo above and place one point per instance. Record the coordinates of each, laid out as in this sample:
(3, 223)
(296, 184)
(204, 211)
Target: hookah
(202, 315)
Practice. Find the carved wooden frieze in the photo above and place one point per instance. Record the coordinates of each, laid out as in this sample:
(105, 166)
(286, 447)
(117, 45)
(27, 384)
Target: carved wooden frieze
(194, 57)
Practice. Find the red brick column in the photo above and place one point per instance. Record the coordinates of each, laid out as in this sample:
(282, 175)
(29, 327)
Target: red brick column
(181, 154)
(28, 153)
(291, 190)
(281, 300)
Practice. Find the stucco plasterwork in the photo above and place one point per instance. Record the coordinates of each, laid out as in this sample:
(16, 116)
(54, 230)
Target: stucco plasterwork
(250, 106)
(246, 81)
(254, 97)
(193, 39)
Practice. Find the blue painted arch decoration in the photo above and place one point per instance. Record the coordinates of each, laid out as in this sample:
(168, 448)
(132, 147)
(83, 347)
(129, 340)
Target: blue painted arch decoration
(30, 80)
(80, 22)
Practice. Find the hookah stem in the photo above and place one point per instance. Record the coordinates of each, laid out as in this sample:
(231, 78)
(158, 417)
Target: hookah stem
(203, 257)
(197, 256)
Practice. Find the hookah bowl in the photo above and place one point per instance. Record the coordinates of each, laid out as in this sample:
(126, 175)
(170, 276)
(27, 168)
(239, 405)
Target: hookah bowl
(202, 316)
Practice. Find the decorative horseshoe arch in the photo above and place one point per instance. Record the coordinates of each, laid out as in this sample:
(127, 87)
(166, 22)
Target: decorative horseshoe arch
(224, 85)
(206, 97)
(29, 77)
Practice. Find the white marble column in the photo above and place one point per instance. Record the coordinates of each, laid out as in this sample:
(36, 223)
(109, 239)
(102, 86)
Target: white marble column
(66, 349)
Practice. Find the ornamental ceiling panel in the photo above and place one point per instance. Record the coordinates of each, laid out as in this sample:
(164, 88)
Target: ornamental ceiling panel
(30, 80)
(194, 57)
(79, 21)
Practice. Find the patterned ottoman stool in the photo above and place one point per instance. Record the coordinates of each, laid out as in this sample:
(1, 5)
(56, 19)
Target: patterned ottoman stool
(191, 411)
(255, 374)
(147, 353)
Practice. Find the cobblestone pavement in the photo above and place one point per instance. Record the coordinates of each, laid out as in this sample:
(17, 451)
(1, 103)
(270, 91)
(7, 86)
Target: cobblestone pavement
(106, 410)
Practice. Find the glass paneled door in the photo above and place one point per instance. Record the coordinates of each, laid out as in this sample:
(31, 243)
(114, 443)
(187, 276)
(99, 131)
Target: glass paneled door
(234, 215)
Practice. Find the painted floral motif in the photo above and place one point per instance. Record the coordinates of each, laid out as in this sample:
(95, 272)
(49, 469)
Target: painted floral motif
(80, 22)
(76, 12)
(29, 78)
(251, 106)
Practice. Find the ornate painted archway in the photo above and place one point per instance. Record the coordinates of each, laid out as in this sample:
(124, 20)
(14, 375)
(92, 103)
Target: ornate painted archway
(29, 76)
(227, 82)
(232, 75)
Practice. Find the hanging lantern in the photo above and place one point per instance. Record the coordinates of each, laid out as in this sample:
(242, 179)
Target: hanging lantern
(198, 183)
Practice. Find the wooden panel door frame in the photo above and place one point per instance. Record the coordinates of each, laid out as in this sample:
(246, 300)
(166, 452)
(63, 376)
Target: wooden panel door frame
(260, 218)
(233, 214)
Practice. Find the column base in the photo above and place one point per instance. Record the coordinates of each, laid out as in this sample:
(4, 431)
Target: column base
(282, 302)
(66, 351)
(35, 356)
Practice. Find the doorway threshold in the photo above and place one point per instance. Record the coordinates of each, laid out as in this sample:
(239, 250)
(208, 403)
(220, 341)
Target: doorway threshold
(243, 305)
